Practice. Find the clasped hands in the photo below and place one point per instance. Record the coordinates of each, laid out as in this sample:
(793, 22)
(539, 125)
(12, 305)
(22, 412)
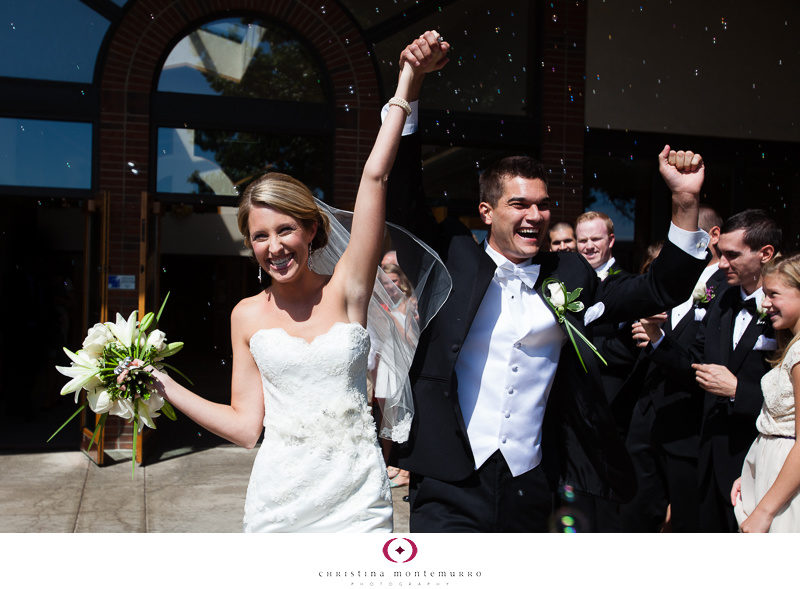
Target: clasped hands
(426, 52)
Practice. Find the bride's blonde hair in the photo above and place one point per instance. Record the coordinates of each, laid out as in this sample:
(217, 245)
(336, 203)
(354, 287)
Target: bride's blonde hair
(287, 195)
(789, 270)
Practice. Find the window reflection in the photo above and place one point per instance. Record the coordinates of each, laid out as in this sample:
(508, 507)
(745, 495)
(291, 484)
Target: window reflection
(222, 163)
(50, 39)
(237, 57)
(45, 153)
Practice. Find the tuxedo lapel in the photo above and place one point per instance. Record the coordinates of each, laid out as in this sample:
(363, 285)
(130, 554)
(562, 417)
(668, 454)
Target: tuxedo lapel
(684, 322)
(548, 268)
(482, 277)
(726, 324)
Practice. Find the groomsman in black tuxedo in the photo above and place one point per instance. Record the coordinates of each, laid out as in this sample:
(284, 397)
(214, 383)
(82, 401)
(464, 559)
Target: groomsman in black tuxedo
(505, 407)
(594, 233)
(664, 414)
(727, 361)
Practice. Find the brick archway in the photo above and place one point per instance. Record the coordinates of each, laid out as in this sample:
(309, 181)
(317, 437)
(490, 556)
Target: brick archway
(128, 75)
(135, 52)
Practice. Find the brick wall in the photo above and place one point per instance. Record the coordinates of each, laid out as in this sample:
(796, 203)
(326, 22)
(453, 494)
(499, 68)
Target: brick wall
(129, 74)
(562, 100)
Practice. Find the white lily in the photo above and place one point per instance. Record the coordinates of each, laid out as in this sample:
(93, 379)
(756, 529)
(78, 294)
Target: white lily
(148, 410)
(83, 373)
(96, 339)
(124, 330)
(156, 340)
(122, 408)
(99, 400)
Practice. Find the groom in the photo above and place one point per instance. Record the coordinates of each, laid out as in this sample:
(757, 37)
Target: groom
(504, 410)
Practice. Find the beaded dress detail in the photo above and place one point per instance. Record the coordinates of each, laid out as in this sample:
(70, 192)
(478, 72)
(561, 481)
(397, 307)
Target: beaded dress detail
(319, 468)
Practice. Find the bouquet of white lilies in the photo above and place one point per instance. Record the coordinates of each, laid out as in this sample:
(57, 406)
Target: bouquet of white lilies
(111, 366)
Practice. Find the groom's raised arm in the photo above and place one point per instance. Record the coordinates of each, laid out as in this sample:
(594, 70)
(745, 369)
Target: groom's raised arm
(672, 276)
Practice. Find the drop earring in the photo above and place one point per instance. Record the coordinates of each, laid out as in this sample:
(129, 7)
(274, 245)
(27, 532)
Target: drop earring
(308, 260)
(259, 273)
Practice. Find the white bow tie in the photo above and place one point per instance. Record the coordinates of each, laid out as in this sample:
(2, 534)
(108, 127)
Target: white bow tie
(508, 272)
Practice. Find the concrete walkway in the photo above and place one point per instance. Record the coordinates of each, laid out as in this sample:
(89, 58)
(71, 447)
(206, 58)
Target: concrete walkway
(201, 491)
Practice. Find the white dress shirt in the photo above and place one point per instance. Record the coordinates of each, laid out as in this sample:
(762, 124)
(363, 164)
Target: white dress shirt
(602, 271)
(505, 370)
(744, 317)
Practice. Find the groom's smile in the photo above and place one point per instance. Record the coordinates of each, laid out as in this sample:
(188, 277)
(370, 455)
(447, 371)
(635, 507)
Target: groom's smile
(519, 220)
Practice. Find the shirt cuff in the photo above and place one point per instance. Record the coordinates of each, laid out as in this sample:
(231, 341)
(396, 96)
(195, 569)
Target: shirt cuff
(657, 343)
(412, 120)
(693, 243)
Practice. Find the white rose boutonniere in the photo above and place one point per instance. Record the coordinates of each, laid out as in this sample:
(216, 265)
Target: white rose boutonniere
(762, 314)
(702, 294)
(561, 301)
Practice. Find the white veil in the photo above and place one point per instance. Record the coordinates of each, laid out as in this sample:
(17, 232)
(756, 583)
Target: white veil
(395, 320)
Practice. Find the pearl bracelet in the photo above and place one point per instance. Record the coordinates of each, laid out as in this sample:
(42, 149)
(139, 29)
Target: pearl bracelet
(395, 101)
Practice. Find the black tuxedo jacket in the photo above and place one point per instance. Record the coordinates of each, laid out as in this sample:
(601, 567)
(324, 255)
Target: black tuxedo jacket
(580, 444)
(613, 341)
(728, 427)
(675, 406)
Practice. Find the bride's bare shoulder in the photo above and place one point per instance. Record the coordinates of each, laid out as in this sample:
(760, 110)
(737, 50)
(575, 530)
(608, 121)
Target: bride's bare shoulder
(248, 308)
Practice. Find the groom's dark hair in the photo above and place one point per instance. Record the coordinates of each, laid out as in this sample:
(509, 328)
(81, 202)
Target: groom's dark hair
(515, 166)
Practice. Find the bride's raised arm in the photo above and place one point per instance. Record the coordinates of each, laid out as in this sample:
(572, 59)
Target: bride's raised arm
(355, 272)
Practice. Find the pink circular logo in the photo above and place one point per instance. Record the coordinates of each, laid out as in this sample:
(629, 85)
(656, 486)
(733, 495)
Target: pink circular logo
(400, 550)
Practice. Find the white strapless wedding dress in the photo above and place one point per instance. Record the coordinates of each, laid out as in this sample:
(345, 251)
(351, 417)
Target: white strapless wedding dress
(319, 468)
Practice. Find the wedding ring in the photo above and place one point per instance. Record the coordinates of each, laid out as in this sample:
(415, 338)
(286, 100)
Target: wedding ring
(440, 39)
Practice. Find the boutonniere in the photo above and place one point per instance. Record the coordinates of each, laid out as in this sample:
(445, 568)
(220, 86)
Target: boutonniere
(606, 273)
(702, 294)
(762, 314)
(561, 301)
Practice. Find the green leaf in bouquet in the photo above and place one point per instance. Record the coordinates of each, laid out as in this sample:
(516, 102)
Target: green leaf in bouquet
(71, 417)
(98, 430)
(186, 378)
(146, 322)
(170, 349)
(161, 310)
(169, 411)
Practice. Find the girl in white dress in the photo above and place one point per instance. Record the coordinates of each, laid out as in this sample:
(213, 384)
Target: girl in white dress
(765, 498)
(300, 346)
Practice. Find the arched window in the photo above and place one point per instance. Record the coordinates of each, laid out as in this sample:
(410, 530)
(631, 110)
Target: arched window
(236, 98)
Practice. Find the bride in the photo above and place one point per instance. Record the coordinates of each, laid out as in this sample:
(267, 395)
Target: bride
(300, 350)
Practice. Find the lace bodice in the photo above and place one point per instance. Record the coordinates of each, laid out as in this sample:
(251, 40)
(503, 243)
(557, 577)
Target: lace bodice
(777, 412)
(319, 467)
